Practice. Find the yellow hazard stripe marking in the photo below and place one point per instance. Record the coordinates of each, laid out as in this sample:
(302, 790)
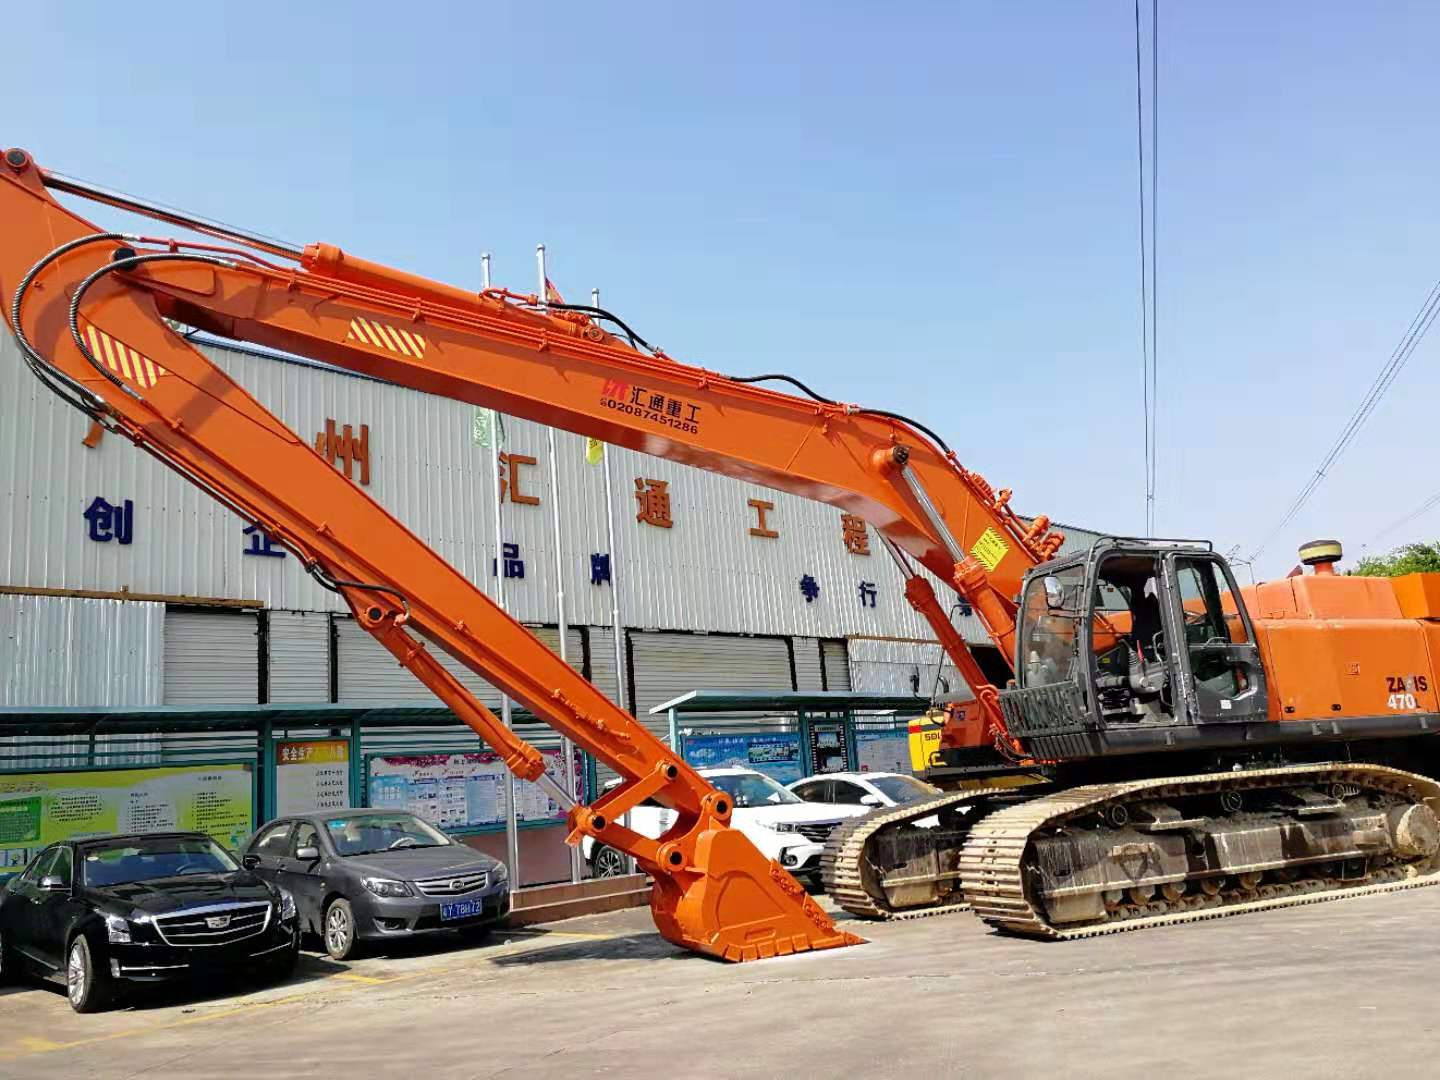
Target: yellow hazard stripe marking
(124, 361)
(387, 337)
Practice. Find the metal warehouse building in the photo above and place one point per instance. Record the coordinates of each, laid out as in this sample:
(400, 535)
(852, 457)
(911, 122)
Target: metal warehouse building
(711, 595)
(122, 585)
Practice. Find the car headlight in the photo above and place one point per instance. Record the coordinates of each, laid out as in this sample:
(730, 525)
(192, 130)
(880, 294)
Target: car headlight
(117, 928)
(500, 873)
(287, 906)
(785, 826)
(386, 887)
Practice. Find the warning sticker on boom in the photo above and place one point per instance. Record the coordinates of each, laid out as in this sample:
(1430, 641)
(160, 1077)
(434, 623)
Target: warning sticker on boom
(990, 549)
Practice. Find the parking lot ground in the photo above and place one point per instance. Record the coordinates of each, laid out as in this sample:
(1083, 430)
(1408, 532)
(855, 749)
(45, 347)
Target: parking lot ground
(1341, 989)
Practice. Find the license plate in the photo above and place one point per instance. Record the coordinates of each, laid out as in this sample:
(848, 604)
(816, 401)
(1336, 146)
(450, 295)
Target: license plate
(461, 909)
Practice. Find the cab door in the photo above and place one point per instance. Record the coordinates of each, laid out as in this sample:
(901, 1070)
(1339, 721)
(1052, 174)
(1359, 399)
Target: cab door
(1212, 643)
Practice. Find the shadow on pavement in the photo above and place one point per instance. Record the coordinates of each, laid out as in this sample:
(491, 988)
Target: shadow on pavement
(638, 946)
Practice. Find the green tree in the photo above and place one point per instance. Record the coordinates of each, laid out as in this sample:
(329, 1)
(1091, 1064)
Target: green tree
(1417, 558)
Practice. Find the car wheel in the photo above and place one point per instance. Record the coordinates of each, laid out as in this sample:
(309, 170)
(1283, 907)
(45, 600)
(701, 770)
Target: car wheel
(606, 862)
(86, 985)
(340, 940)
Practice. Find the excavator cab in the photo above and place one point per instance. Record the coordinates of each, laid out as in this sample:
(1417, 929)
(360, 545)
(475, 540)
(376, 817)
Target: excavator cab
(1128, 641)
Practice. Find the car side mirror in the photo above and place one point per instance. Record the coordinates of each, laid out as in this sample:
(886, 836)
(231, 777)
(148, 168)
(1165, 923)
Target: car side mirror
(870, 800)
(51, 883)
(307, 854)
(250, 862)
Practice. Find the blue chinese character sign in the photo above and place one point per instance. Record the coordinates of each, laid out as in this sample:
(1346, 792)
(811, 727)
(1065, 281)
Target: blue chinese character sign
(867, 594)
(262, 544)
(599, 569)
(109, 522)
(809, 588)
(514, 565)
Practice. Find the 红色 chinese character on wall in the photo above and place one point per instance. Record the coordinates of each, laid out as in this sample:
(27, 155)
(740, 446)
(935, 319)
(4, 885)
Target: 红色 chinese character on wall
(762, 527)
(510, 479)
(347, 447)
(654, 499)
(857, 540)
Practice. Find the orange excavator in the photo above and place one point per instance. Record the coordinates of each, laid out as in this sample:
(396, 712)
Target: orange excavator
(1201, 749)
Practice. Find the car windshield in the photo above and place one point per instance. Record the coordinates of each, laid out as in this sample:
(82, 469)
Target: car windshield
(753, 789)
(903, 789)
(365, 834)
(151, 858)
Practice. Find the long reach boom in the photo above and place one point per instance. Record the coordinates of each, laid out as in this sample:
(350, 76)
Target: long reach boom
(93, 313)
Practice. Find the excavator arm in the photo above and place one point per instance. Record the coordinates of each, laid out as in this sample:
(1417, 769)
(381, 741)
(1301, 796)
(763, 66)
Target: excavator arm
(89, 309)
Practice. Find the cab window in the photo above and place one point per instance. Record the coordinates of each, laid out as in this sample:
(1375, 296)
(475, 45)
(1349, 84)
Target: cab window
(1050, 626)
(274, 841)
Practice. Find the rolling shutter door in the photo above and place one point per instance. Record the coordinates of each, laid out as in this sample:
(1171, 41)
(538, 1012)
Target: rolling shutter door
(212, 658)
(369, 675)
(808, 664)
(837, 665)
(668, 665)
(299, 670)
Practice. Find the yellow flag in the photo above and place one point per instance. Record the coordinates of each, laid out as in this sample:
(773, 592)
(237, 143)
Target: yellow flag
(594, 451)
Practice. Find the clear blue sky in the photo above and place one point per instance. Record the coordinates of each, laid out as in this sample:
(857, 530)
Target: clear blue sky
(933, 211)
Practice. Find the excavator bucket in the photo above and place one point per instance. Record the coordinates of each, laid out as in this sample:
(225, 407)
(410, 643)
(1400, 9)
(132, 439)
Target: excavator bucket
(736, 904)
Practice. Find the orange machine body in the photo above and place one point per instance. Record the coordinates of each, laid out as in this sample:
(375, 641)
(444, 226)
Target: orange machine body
(1337, 646)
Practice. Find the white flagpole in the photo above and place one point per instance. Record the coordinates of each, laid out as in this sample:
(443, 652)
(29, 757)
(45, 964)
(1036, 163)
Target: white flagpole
(617, 628)
(512, 834)
(567, 748)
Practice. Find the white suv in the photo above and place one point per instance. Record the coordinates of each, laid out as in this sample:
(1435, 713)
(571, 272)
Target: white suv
(785, 828)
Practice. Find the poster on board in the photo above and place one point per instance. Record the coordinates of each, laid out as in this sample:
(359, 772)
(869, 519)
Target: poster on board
(38, 809)
(465, 791)
(774, 753)
(312, 775)
(883, 751)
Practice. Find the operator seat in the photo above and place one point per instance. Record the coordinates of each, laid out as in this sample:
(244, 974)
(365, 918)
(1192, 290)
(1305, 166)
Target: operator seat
(1147, 621)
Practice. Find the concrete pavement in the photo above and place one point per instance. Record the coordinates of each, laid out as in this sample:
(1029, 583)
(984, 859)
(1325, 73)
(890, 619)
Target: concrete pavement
(1339, 989)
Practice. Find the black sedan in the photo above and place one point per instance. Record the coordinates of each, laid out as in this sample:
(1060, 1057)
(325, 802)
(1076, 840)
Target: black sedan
(364, 876)
(148, 908)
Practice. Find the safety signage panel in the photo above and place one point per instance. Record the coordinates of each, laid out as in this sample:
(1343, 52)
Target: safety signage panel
(310, 776)
(39, 809)
(776, 754)
(458, 791)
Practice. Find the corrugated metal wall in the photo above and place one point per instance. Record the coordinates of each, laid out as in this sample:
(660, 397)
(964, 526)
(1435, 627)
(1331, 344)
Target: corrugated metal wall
(901, 667)
(44, 638)
(704, 573)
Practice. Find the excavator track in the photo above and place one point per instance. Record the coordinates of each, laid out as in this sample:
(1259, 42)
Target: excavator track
(998, 877)
(854, 881)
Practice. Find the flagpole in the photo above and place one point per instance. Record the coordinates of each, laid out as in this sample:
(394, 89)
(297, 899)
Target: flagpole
(567, 748)
(617, 629)
(512, 834)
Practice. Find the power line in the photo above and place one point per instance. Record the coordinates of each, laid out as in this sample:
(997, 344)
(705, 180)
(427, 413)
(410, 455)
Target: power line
(1154, 254)
(1392, 367)
(1424, 508)
(1144, 288)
